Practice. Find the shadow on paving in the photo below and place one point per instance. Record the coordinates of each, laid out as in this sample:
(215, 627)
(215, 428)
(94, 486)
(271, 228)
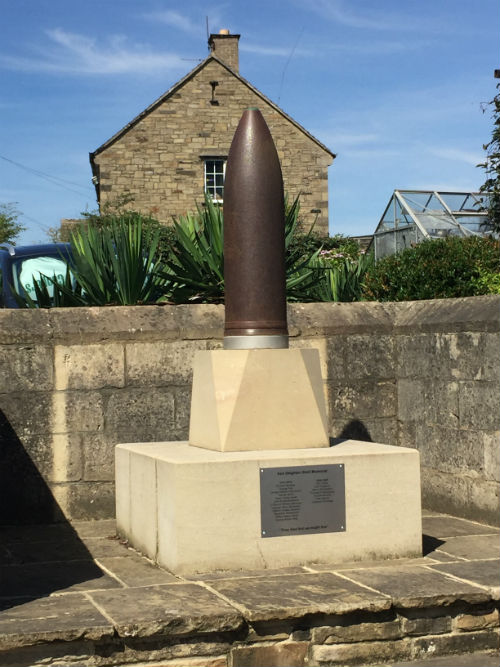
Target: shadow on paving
(35, 559)
(430, 544)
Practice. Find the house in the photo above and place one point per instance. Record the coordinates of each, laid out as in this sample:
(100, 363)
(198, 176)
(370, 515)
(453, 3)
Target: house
(177, 148)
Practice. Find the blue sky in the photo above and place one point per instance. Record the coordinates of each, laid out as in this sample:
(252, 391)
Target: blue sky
(395, 88)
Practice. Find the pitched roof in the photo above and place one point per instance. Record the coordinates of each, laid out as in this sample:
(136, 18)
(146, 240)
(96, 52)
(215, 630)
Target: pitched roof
(179, 84)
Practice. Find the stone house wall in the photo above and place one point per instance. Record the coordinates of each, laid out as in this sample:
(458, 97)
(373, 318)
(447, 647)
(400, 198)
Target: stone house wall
(160, 158)
(75, 382)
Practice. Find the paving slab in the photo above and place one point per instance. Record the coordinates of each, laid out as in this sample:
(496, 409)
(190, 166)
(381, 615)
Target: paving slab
(430, 544)
(242, 574)
(413, 586)
(484, 573)
(276, 598)
(50, 619)
(40, 533)
(101, 528)
(448, 526)
(56, 550)
(102, 547)
(134, 571)
(442, 557)
(176, 609)
(478, 659)
(368, 564)
(37, 579)
(472, 547)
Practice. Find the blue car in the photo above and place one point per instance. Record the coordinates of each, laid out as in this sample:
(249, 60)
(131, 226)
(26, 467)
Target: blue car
(21, 266)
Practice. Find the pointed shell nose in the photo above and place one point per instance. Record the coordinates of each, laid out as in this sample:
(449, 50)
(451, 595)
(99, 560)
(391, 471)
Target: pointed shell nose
(254, 239)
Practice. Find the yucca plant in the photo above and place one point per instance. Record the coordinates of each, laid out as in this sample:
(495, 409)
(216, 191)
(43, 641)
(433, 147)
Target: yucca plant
(340, 281)
(300, 277)
(115, 265)
(196, 266)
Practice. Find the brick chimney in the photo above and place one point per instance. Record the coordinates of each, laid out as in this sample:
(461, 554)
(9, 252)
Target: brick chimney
(225, 47)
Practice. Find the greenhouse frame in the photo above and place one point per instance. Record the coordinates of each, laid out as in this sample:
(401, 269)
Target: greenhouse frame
(411, 216)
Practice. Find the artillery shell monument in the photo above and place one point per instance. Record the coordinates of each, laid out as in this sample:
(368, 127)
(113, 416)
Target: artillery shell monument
(258, 484)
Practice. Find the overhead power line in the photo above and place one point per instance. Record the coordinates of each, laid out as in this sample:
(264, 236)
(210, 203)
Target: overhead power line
(55, 180)
(287, 63)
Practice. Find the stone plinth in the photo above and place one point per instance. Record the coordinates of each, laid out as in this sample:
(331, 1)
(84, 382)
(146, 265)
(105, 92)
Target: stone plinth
(196, 510)
(258, 399)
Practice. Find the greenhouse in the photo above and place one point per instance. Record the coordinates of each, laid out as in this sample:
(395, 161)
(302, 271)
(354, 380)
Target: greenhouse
(412, 216)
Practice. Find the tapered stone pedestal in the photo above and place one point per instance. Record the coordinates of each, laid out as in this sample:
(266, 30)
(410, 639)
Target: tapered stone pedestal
(196, 510)
(257, 399)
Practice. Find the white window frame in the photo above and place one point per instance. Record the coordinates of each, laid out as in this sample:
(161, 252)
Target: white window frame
(211, 189)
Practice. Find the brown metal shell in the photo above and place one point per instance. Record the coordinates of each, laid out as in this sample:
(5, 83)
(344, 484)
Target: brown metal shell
(254, 233)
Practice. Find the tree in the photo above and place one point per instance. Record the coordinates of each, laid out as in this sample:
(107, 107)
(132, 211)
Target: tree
(492, 165)
(9, 227)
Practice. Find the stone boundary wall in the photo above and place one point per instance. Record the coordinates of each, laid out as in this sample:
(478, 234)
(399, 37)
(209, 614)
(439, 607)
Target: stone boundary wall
(75, 382)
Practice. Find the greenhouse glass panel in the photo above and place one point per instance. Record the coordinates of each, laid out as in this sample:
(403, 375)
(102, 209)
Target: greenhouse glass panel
(384, 245)
(416, 201)
(401, 218)
(433, 204)
(456, 201)
(474, 223)
(412, 216)
(388, 217)
(404, 238)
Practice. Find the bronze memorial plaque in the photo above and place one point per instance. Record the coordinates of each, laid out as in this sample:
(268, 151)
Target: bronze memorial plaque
(298, 500)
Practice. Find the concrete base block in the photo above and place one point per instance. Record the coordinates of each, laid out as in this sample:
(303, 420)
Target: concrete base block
(249, 399)
(194, 510)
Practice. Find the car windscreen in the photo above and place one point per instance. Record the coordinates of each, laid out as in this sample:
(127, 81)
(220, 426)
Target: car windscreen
(30, 269)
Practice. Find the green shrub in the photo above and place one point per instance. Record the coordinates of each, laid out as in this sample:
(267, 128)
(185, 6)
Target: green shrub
(152, 229)
(487, 282)
(332, 247)
(434, 269)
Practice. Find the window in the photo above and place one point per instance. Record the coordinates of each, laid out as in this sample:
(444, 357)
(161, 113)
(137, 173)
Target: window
(215, 170)
(28, 271)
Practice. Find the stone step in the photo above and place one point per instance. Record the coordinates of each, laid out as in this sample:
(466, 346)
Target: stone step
(76, 595)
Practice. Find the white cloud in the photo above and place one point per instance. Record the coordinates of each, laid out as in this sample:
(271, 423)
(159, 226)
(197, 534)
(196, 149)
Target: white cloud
(463, 185)
(457, 155)
(335, 10)
(259, 50)
(375, 47)
(185, 23)
(346, 139)
(374, 153)
(176, 20)
(77, 54)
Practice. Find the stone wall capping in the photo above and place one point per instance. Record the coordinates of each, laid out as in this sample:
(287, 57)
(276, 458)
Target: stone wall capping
(312, 319)
(202, 321)
(24, 326)
(478, 313)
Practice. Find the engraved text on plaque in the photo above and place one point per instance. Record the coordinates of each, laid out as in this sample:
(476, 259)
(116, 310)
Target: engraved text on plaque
(297, 500)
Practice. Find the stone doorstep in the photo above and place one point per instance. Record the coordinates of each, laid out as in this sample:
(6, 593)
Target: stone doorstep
(135, 612)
